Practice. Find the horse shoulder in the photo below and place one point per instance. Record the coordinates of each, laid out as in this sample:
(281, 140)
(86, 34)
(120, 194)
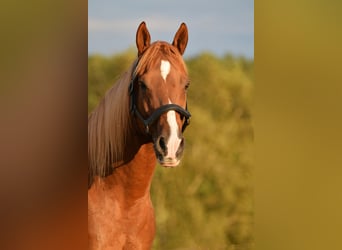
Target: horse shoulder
(112, 225)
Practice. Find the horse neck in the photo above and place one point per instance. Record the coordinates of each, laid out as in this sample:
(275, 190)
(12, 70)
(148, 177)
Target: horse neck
(139, 170)
(133, 175)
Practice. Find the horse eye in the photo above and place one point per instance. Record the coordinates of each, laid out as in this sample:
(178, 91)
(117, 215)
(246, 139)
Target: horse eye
(142, 85)
(187, 86)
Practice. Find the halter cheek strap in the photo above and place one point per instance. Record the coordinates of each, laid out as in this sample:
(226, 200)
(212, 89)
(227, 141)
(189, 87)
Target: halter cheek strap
(158, 112)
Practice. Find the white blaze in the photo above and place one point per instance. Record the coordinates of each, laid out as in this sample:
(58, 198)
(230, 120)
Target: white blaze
(173, 141)
(165, 68)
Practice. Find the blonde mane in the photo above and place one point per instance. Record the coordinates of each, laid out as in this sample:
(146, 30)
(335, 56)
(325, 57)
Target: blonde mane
(109, 123)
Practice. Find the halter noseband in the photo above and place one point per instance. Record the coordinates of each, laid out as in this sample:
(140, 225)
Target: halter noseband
(158, 112)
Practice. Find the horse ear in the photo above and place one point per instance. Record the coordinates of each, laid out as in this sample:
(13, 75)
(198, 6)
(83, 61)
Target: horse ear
(143, 38)
(181, 38)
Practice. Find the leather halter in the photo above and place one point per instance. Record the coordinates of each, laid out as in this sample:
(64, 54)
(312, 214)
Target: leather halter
(158, 112)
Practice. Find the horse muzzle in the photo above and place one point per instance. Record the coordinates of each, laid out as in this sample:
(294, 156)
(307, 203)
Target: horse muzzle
(169, 150)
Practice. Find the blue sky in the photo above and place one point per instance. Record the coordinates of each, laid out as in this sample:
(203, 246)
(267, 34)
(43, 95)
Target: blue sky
(218, 26)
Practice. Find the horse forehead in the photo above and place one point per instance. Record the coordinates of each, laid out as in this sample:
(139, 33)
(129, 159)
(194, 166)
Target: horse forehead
(160, 71)
(164, 72)
(167, 69)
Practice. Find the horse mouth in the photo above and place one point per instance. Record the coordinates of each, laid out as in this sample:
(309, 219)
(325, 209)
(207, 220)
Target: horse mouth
(168, 162)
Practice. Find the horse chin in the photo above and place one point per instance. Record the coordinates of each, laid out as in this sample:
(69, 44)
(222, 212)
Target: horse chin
(169, 163)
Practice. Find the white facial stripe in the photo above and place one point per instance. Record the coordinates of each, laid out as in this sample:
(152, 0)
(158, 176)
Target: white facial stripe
(165, 68)
(174, 141)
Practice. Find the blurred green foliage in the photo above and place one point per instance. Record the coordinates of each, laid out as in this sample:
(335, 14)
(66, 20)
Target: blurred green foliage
(206, 202)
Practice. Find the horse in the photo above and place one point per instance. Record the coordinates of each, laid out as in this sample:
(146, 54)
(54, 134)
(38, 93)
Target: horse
(140, 121)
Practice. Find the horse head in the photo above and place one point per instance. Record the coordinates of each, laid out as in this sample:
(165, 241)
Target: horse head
(158, 93)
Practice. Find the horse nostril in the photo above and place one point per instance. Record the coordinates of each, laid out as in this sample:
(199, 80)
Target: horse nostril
(162, 144)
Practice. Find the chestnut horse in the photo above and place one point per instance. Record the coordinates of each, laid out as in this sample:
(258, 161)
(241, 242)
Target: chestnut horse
(140, 120)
